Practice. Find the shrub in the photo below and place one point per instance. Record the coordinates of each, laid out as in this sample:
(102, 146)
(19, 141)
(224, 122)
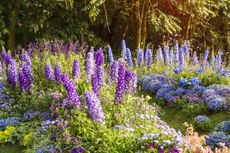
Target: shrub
(223, 127)
(216, 103)
(202, 123)
(192, 109)
(217, 137)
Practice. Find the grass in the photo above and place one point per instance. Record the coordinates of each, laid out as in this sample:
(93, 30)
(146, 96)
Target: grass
(10, 148)
(176, 117)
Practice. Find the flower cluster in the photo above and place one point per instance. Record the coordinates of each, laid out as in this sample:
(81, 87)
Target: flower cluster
(129, 58)
(114, 72)
(223, 127)
(29, 115)
(94, 107)
(58, 74)
(100, 67)
(12, 121)
(140, 57)
(76, 70)
(11, 73)
(215, 138)
(48, 148)
(89, 64)
(120, 88)
(110, 55)
(49, 74)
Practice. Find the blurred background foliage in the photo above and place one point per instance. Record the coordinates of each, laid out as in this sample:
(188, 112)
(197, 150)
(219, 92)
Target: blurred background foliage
(204, 22)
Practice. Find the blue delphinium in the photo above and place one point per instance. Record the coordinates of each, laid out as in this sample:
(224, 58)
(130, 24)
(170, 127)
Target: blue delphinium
(216, 137)
(128, 81)
(223, 127)
(110, 55)
(181, 59)
(129, 58)
(123, 49)
(140, 57)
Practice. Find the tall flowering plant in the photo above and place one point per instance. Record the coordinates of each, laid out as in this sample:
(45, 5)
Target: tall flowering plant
(76, 70)
(120, 88)
(140, 57)
(89, 64)
(11, 73)
(110, 55)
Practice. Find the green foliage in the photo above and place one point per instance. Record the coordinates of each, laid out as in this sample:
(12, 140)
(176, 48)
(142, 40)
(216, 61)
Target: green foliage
(6, 134)
(202, 127)
(193, 109)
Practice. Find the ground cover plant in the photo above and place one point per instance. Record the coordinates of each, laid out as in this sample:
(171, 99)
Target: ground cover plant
(71, 98)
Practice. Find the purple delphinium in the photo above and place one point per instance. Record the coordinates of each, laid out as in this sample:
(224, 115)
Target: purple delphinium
(128, 80)
(100, 67)
(72, 94)
(120, 88)
(12, 73)
(94, 107)
(24, 83)
(129, 58)
(166, 55)
(76, 70)
(205, 57)
(110, 55)
(78, 150)
(140, 57)
(114, 72)
(195, 59)
(25, 58)
(58, 74)
(95, 85)
(49, 74)
(89, 64)
(134, 83)
(123, 49)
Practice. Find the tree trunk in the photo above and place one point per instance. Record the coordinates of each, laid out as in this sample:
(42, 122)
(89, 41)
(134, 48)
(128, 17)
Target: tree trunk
(144, 25)
(187, 27)
(11, 26)
(137, 25)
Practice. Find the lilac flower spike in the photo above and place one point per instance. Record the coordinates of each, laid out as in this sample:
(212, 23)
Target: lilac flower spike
(95, 85)
(12, 73)
(176, 51)
(49, 74)
(114, 71)
(100, 67)
(120, 88)
(90, 64)
(205, 57)
(195, 59)
(129, 58)
(4, 56)
(159, 57)
(140, 57)
(58, 74)
(76, 70)
(128, 80)
(123, 49)
(181, 59)
(94, 107)
(148, 58)
(110, 55)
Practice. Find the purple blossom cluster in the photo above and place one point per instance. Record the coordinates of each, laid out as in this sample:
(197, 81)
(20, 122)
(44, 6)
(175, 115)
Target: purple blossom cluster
(72, 95)
(76, 70)
(94, 107)
(120, 88)
(148, 58)
(100, 67)
(49, 73)
(114, 71)
(110, 55)
(58, 74)
(90, 64)
(129, 58)
(140, 57)
(11, 73)
(123, 50)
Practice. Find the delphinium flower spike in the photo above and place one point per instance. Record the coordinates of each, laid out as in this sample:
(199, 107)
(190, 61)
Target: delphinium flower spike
(95, 85)
(176, 52)
(11, 73)
(76, 70)
(120, 88)
(195, 59)
(49, 74)
(114, 72)
(94, 107)
(140, 57)
(100, 67)
(159, 57)
(110, 55)
(166, 55)
(129, 58)
(123, 50)
(58, 74)
(90, 64)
